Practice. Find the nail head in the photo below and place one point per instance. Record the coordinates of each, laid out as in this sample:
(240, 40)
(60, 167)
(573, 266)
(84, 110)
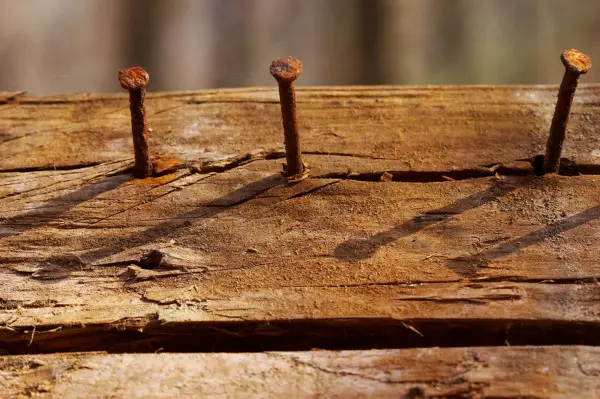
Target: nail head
(286, 70)
(133, 78)
(576, 61)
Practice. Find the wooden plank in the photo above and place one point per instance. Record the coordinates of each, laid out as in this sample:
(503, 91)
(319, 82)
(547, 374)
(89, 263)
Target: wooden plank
(422, 128)
(425, 238)
(400, 316)
(399, 231)
(242, 248)
(548, 372)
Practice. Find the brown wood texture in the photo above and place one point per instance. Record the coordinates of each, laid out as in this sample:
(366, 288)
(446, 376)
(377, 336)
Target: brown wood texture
(424, 128)
(422, 223)
(535, 372)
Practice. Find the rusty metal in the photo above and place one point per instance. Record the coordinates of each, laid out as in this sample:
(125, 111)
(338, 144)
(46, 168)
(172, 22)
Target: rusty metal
(135, 80)
(576, 64)
(285, 71)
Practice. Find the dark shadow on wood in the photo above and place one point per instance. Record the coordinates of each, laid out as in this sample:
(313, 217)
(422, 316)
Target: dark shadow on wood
(179, 224)
(365, 248)
(468, 266)
(51, 210)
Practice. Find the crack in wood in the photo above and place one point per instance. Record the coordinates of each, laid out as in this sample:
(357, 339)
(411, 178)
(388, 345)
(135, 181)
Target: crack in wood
(51, 168)
(479, 300)
(459, 378)
(147, 334)
(593, 280)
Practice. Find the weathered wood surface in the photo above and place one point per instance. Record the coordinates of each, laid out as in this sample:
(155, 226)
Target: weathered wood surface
(242, 245)
(421, 226)
(535, 372)
(424, 128)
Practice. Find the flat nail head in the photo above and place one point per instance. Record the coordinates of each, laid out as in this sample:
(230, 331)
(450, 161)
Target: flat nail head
(133, 78)
(576, 61)
(286, 70)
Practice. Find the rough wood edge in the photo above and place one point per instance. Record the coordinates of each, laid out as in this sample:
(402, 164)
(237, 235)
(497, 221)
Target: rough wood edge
(416, 373)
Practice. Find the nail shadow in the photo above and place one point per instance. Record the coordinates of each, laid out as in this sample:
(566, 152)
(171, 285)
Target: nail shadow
(174, 225)
(468, 266)
(52, 209)
(365, 248)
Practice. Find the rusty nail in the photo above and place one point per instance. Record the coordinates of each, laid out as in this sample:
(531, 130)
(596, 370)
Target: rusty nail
(576, 63)
(285, 71)
(135, 80)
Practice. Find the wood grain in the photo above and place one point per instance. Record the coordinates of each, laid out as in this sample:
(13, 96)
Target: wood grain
(422, 225)
(423, 128)
(537, 372)
(242, 245)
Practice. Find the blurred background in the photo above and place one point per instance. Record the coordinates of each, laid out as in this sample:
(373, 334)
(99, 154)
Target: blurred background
(69, 46)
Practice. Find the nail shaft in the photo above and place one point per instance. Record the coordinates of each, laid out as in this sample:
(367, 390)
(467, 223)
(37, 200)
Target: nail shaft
(576, 64)
(285, 71)
(287, 97)
(135, 80)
